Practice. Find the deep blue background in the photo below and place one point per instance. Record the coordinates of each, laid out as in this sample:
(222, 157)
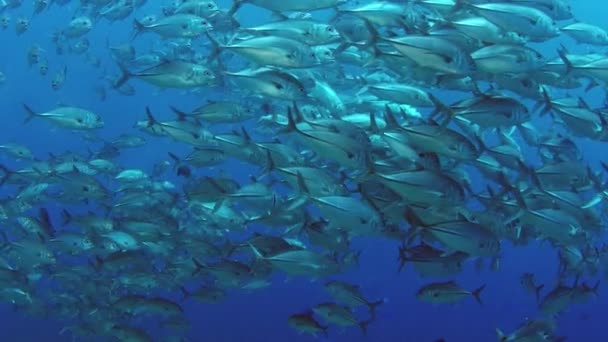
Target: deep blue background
(262, 315)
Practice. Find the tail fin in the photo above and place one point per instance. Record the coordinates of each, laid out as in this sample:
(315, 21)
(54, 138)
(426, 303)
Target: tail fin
(185, 293)
(124, 77)
(217, 48)
(500, 336)
(477, 293)
(198, 266)
(372, 307)
(235, 6)
(563, 54)
(363, 325)
(138, 28)
(6, 174)
(30, 113)
(537, 290)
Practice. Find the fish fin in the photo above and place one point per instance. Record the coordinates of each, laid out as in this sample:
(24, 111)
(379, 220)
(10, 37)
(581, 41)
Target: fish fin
(592, 84)
(236, 4)
(270, 165)
(477, 293)
(198, 266)
(563, 54)
(185, 293)
(302, 184)
(256, 252)
(372, 307)
(30, 113)
(7, 173)
(325, 329)
(181, 116)
(174, 157)
(216, 50)
(373, 124)
(537, 290)
(363, 325)
(389, 118)
(66, 217)
(124, 77)
(138, 28)
(45, 218)
(151, 120)
(500, 335)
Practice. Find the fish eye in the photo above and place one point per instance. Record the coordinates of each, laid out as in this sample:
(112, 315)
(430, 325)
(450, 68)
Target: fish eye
(210, 6)
(207, 73)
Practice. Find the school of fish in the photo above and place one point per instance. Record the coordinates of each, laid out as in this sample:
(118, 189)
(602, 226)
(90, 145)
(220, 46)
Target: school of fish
(435, 124)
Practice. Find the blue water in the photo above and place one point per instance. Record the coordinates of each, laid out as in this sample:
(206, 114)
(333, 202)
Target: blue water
(261, 315)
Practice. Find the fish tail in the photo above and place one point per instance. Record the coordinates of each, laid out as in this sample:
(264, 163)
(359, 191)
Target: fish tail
(185, 293)
(6, 173)
(547, 106)
(372, 307)
(66, 217)
(138, 28)
(442, 108)
(477, 294)
(236, 4)
(363, 325)
(402, 257)
(592, 84)
(217, 48)
(124, 77)
(537, 290)
(30, 113)
(562, 52)
(324, 329)
(198, 266)
(500, 335)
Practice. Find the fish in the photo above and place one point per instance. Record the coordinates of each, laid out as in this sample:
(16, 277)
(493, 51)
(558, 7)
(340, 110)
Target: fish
(447, 292)
(68, 117)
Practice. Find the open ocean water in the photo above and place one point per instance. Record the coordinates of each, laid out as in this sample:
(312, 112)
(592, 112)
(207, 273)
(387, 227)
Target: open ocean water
(259, 314)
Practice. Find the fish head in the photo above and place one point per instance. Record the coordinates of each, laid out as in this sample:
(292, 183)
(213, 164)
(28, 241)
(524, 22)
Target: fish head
(324, 54)
(44, 69)
(208, 8)
(200, 25)
(87, 243)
